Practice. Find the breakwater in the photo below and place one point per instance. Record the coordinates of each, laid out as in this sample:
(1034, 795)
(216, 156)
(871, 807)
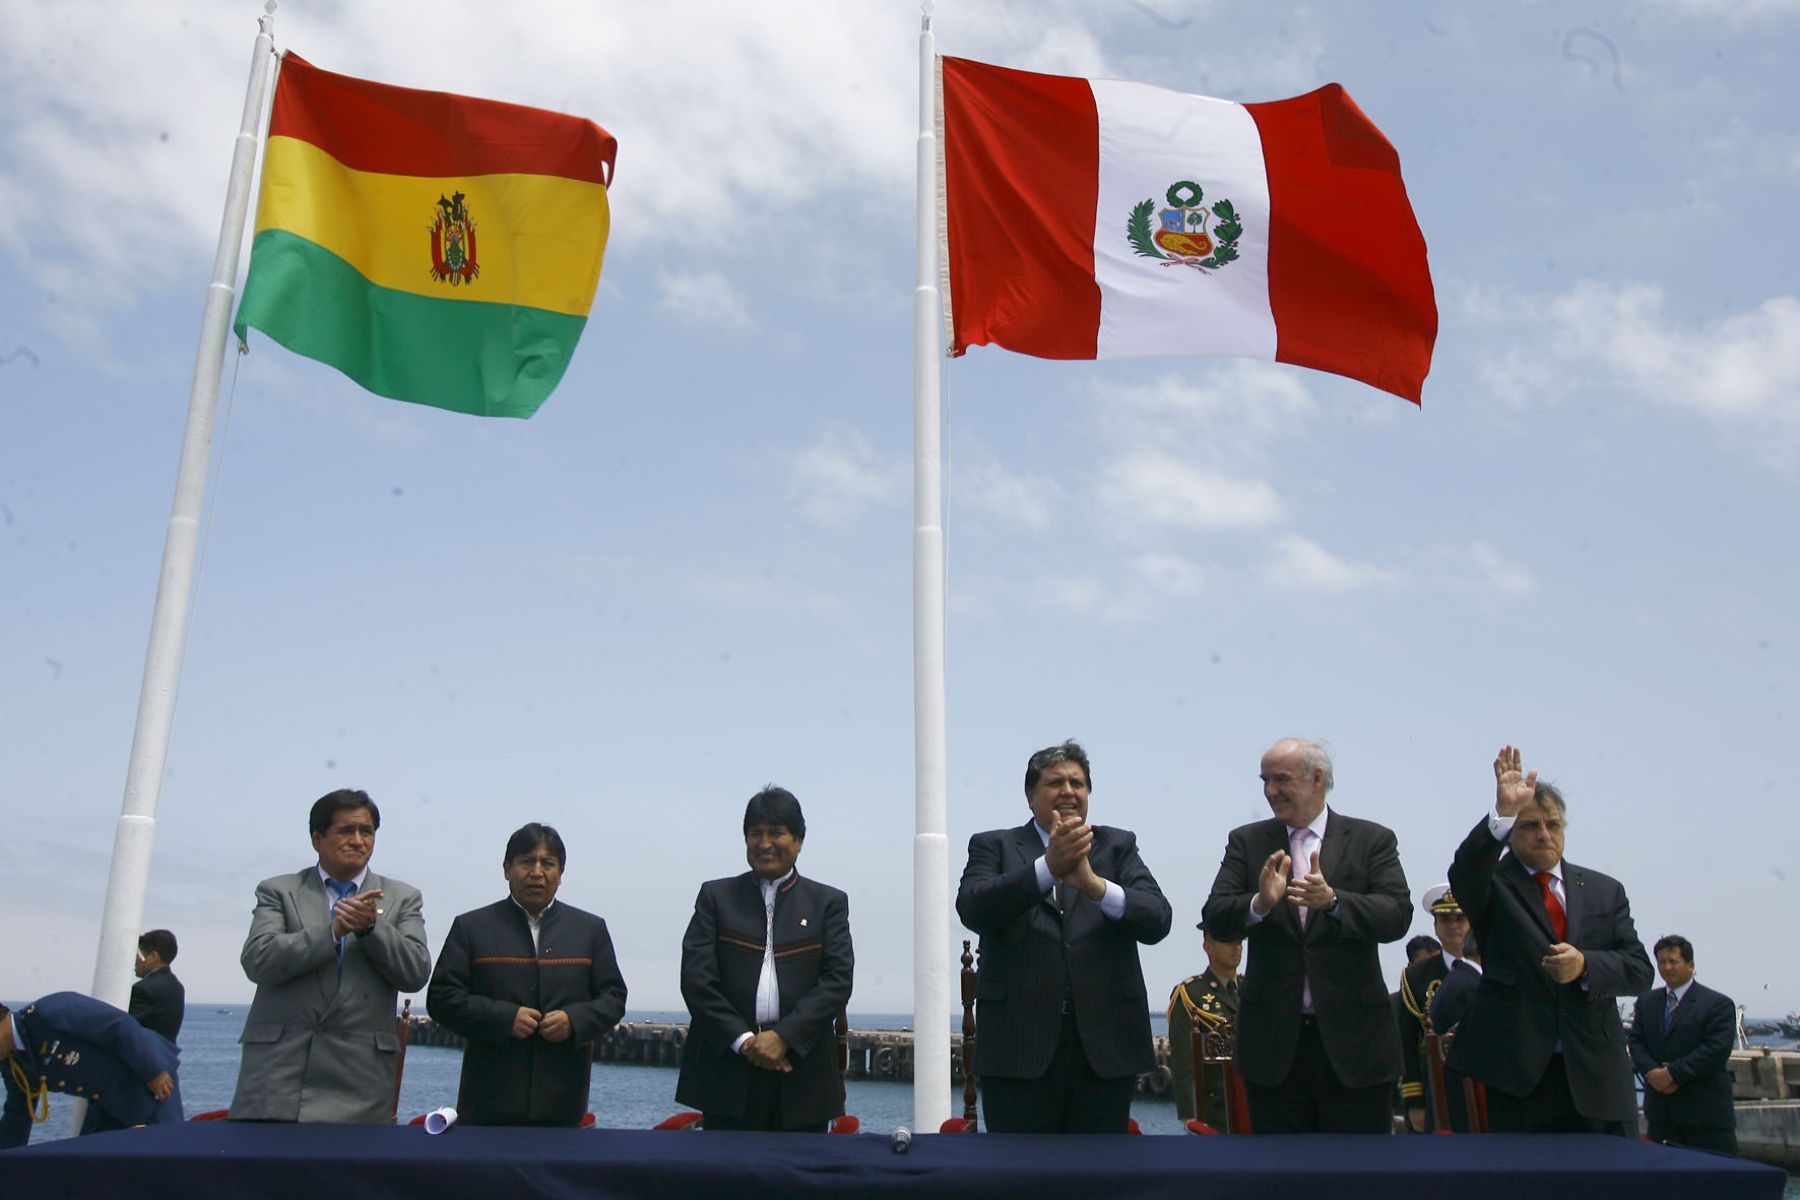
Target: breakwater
(878, 1054)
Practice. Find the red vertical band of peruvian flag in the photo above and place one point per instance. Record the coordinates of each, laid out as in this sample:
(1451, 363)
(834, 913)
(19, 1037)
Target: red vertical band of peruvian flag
(1348, 278)
(1020, 188)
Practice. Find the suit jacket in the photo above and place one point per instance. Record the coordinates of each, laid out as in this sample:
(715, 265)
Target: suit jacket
(81, 1046)
(1450, 1003)
(1200, 1000)
(159, 1002)
(721, 964)
(1417, 984)
(1697, 1050)
(1336, 952)
(1520, 1013)
(319, 1043)
(487, 970)
(1032, 956)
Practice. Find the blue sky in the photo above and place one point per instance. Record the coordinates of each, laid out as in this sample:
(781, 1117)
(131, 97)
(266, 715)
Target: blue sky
(690, 574)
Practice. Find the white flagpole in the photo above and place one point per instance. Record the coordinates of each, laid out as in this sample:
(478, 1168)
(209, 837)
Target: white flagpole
(132, 841)
(931, 855)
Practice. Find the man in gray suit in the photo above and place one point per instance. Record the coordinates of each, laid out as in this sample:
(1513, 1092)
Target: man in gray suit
(330, 947)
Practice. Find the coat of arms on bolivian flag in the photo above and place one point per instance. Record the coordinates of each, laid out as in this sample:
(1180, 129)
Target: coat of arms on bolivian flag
(365, 255)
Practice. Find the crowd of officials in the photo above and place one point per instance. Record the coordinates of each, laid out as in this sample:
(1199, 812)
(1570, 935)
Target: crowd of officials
(1530, 955)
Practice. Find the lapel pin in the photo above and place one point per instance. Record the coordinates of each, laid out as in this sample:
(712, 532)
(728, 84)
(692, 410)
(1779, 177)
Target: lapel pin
(803, 922)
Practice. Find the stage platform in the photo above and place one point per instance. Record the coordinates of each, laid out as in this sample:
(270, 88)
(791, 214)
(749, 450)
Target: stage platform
(217, 1158)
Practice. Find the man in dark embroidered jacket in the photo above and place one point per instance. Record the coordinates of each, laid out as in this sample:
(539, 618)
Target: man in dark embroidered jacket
(530, 983)
(766, 968)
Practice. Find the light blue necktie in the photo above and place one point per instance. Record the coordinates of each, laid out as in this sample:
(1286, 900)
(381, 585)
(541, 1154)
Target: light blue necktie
(340, 891)
(1669, 1010)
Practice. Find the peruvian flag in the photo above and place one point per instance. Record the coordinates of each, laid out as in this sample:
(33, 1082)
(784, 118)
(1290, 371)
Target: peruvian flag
(1089, 218)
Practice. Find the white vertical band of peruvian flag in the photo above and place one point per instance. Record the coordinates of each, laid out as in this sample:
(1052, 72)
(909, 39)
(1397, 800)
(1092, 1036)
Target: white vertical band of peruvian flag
(1101, 219)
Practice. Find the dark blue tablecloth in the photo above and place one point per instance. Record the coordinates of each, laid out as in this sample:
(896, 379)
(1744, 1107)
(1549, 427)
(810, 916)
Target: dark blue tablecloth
(218, 1158)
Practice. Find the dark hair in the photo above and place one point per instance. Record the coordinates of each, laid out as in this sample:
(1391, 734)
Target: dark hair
(159, 942)
(1069, 751)
(775, 806)
(1674, 941)
(530, 836)
(1423, 944)
(332, 803)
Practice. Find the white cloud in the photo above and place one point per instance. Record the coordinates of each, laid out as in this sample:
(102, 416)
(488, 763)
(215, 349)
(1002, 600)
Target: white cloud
(987, 488)
(1152, 487)
(837, 478)
(1234, 412)
(1300, 565)
(1740, 371)
(1501, 576)
(703, 299)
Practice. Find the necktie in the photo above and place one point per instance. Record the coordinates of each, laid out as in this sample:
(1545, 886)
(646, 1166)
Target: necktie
(1559, 919)
(1669, 1010)
(340, 890)
(1061, 893)
(1302, 862)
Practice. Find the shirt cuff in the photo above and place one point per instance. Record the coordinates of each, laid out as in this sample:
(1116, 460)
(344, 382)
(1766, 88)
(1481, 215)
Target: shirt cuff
(1256, 918)
(1045, 880)
(737, 1047)
(1112, 905)
(1499, 826)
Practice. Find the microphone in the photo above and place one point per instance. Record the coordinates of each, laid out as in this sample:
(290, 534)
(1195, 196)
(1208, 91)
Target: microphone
(902, 1140)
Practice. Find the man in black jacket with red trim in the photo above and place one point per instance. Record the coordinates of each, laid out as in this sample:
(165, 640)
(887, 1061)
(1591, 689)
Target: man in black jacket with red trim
(766, 967)
(530, 983)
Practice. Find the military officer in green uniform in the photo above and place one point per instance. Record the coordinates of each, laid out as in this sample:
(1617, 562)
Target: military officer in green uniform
(1417, 987)
(1207, 1001)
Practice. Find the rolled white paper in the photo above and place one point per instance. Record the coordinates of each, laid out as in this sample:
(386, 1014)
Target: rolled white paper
(439, 1119)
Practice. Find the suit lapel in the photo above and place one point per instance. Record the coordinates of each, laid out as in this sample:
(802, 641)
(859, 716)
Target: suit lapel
(1525, 890)
(313, 903)
(1030, 847)
(1574, 897)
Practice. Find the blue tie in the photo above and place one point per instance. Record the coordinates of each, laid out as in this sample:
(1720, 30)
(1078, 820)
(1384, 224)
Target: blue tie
(1669, 1010)
(340, 891)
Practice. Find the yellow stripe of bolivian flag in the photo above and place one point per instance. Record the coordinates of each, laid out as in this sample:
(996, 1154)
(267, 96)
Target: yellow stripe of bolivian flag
(539, 238)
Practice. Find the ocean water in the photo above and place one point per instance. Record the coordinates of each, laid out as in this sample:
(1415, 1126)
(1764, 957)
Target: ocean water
(621, 1096)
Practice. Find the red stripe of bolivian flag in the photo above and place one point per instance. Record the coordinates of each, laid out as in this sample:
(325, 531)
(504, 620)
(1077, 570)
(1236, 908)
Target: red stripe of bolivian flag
(434, 248)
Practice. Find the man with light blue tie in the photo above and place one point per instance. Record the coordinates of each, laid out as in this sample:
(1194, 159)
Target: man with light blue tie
(330, 947)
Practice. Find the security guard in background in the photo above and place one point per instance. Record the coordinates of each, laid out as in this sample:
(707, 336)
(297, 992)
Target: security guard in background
(1207, 1001)
(1417, 987)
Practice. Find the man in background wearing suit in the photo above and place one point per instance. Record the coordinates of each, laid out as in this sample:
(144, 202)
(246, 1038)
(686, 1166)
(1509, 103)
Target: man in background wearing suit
(1061, 906)
(766, 967)
(1557, 949)
(530, 982)
(158, 1000)
(329, 949)
(1316, 892)
(1450, 1002)
(1681, 1037)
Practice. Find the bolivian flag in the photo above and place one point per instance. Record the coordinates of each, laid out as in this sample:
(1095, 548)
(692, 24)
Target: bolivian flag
(434, 248)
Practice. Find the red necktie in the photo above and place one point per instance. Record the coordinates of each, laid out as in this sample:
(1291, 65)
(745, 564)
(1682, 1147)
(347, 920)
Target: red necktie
(1559, 919)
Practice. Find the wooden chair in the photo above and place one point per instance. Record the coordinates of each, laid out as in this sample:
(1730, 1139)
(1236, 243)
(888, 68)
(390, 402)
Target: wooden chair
(968, 1122)
(1213, 1050)
(1474, 1092)
(402, 1031)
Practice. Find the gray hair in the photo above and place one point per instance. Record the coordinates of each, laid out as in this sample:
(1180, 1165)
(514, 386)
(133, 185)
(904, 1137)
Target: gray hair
(1315, 755)
(1550, 797)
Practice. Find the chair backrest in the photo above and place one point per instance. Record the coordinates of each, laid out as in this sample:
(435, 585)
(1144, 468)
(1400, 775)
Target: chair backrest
(968, 1042)
(402, 1031)
(1474, 1092)
(1213, 1050)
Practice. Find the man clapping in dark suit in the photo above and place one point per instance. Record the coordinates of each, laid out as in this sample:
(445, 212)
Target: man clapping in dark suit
(1315, 892)
(1061, 906)
(1680, 1042)
(1558, 949)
